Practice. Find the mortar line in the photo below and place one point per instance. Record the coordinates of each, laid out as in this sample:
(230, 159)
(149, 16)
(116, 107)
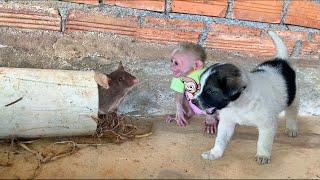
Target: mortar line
(229, 9)
(296, 50)
(204, 34)
(63, 17)
(141, 20)
(284, 11)
(309, 36)
(167, 6)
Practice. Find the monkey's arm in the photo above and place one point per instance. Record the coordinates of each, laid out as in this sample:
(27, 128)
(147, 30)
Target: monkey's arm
(183, 111)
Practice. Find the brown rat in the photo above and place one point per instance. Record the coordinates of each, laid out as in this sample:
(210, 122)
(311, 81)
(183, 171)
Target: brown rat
(112, 88)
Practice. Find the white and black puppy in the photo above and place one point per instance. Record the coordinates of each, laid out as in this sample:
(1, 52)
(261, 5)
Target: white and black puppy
(250, 98)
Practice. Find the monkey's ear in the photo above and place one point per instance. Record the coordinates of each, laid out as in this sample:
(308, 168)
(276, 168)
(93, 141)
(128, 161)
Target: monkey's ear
(198, 64)
(102, 80)
(120, 66)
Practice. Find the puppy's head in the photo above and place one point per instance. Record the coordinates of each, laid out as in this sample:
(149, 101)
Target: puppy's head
(220, 84)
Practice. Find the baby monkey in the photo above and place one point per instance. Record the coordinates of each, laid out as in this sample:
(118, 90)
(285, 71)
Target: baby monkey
(187, 65)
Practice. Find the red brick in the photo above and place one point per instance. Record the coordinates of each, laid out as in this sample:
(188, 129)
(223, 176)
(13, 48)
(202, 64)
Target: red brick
(262, 10)
(315, 37)
(202, 7)
(153, 5)
(310, 50)
(166, 35)
(173, 24)
(29, 17)
(128, 26)
(303, 13)
(93, 21)
(244, 40)
(94, 2)
(234, 30)
(293, 36)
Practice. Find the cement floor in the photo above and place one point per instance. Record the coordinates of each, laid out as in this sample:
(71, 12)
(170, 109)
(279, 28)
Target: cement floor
(174, 152)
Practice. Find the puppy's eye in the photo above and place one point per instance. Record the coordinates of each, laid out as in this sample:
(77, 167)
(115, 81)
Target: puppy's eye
(210, 91)
(120, 79)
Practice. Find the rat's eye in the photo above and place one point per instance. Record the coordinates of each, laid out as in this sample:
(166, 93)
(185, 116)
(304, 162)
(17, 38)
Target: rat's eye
(176, 63)
(120, 79)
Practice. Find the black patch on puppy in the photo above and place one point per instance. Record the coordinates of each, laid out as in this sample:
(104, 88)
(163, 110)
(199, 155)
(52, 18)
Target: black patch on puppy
(222, 86)
(256, 70)
(288, 75)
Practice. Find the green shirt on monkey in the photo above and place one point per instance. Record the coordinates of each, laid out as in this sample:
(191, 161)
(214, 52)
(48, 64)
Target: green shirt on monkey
(188, 85)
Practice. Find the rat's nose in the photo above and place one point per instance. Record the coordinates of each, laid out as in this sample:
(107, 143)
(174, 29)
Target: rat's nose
(136, 80)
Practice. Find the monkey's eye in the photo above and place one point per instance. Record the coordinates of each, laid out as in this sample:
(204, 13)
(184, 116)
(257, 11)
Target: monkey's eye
(120, 78)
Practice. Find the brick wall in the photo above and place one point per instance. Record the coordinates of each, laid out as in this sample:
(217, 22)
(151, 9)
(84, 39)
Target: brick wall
(235, 26)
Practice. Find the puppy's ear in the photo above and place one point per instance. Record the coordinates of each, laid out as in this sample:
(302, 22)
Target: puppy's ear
(231, 81)
(234, 93)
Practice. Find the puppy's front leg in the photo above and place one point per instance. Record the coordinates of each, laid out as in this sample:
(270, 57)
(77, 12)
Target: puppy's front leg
(225, 132)
(264, 146)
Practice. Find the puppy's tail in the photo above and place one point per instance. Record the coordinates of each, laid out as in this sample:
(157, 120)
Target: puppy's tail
(281, 48)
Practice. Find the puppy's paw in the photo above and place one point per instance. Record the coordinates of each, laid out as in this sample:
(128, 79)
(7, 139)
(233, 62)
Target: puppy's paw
(291, 132)
(210, 156)
(263, 159)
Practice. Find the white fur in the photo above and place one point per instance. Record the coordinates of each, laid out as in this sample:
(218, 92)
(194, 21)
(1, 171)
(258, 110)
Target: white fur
(203, 80)
(280, 46)
(258, 105)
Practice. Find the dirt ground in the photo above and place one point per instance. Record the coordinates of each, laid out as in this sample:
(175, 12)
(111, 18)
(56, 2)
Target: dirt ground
(174, 152)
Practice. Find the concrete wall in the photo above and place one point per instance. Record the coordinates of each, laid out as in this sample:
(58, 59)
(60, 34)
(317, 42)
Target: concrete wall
(97, 35)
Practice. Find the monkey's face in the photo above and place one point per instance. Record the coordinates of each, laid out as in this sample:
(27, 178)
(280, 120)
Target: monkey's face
(181, 64)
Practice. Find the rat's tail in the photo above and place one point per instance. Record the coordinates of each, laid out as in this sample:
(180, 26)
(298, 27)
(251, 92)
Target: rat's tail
(281, 48)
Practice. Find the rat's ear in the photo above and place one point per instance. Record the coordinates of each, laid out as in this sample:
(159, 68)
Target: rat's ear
(102, 80)
(120, 66)
(198, 64)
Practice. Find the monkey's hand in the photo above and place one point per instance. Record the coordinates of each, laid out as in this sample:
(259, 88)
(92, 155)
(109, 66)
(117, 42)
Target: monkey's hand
(181, 118)
(184, 113)
(211, 123)
(170, 118)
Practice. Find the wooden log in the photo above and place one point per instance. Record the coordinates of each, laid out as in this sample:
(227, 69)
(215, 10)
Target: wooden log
(46, 103)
